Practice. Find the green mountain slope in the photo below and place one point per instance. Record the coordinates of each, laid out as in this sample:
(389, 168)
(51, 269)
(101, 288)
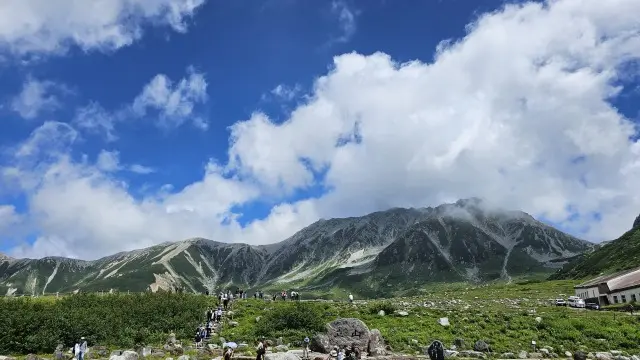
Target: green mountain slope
(618, 255)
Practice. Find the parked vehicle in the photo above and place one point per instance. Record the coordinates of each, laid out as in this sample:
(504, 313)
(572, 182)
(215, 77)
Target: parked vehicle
(561, 302)
(592, 306)
(580, 304)
(572, 301)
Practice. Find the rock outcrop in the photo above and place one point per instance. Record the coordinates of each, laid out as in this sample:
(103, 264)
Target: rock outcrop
(636, 223)
(346, 332)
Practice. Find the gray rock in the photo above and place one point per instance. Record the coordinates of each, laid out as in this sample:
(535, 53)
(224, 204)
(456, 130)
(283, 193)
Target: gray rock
(508, 355)
(381, 313)
(279, 341)
(545, 352)
(126, 355)
(115, 353)
(145, 351)
(402, 313)
(535, 355)
(568, 354)
(603, 356)
(233, 323)
(615, 352)
(171, 340)
(281, 356)
(282, 348)
(481, 346)
(342, 332)
(7, 358)
(450, 354)
(376, 345)
(472, 354)
(183, 357)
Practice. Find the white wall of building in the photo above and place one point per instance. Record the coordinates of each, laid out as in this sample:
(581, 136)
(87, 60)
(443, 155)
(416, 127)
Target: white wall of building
(588, 293)
(628, 294)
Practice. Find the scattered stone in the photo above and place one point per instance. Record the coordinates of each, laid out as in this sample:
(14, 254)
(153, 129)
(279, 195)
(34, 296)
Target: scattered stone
(450, 354)
(171, 340)
(444, 321)
(279, 341)
(615, 352)
(535, 355)
(402, 313)
(414, 341)
(381, 313)
(603, 356)
(481, 346)
(578, 355)
(544, 352)
(145, 351)
(126, 355)
(538, 319)
(282, 356)
(115, 353)
(472, 354)
(508, 355)
(7, 358)
(282, 348)
(233, 323)
(183, 357)
(258, 318)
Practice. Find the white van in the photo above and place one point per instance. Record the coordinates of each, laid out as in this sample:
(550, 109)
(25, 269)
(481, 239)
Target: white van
(573, 301)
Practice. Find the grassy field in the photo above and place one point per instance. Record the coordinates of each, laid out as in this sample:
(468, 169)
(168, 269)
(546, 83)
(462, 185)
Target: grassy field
(503, 315)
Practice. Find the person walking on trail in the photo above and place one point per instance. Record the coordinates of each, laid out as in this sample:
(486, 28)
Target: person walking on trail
(341, 354)
(225, 301)
(261, 349)
(305, 349)
(83, 348)
(76, 350)
(333, 354)
(350, 298)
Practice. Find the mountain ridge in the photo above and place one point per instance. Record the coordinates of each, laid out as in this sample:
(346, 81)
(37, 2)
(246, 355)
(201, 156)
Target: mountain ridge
(468, 240)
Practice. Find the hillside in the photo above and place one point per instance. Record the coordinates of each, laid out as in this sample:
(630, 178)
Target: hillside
(465, 241)
(618, 255)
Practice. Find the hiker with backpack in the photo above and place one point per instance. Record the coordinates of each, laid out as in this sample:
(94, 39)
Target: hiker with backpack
(305, 349)
(436, 350)
(261, 349)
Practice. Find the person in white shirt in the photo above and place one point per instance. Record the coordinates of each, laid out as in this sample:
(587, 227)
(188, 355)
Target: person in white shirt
(350, 298)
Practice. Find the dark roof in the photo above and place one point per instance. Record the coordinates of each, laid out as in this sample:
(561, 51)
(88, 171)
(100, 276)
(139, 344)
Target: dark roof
(626, 281)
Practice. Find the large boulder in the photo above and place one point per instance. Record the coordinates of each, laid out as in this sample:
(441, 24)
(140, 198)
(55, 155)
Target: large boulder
(376, 345)
(346, 332)
(636, 224)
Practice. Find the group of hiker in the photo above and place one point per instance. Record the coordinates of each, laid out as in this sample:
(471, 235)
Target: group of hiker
(345, 353)
(226, 297)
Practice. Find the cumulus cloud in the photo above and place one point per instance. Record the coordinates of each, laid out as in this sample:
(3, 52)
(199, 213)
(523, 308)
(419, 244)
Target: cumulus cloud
(36, 96)
(517, 112)
(44, 26)
(175, 103)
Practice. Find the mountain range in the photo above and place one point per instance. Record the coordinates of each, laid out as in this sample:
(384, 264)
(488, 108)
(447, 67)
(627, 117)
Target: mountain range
(399, 248)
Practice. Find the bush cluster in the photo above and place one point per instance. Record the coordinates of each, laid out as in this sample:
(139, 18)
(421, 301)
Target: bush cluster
(291, 321)
(36, 326)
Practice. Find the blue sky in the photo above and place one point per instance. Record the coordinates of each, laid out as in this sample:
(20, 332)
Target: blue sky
(264, 58)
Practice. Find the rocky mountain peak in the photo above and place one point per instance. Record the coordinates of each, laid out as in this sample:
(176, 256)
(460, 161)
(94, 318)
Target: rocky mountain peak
(4, 257)
(636, 223)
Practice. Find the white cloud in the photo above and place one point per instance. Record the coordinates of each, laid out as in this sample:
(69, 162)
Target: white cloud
(36, 96)
(141, 169)
(346, 18)
(45, 26)
(174, 102)
(8, 218)
(499, 114)
(94, 119)
(286, 93)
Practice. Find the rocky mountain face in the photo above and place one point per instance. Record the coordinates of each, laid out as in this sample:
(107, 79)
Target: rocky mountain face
(464, 241)
(636, 223)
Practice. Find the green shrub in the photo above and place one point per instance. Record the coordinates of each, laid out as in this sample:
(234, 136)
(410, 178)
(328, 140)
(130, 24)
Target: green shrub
(291, 321)
(386, 306)
(37, 326)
